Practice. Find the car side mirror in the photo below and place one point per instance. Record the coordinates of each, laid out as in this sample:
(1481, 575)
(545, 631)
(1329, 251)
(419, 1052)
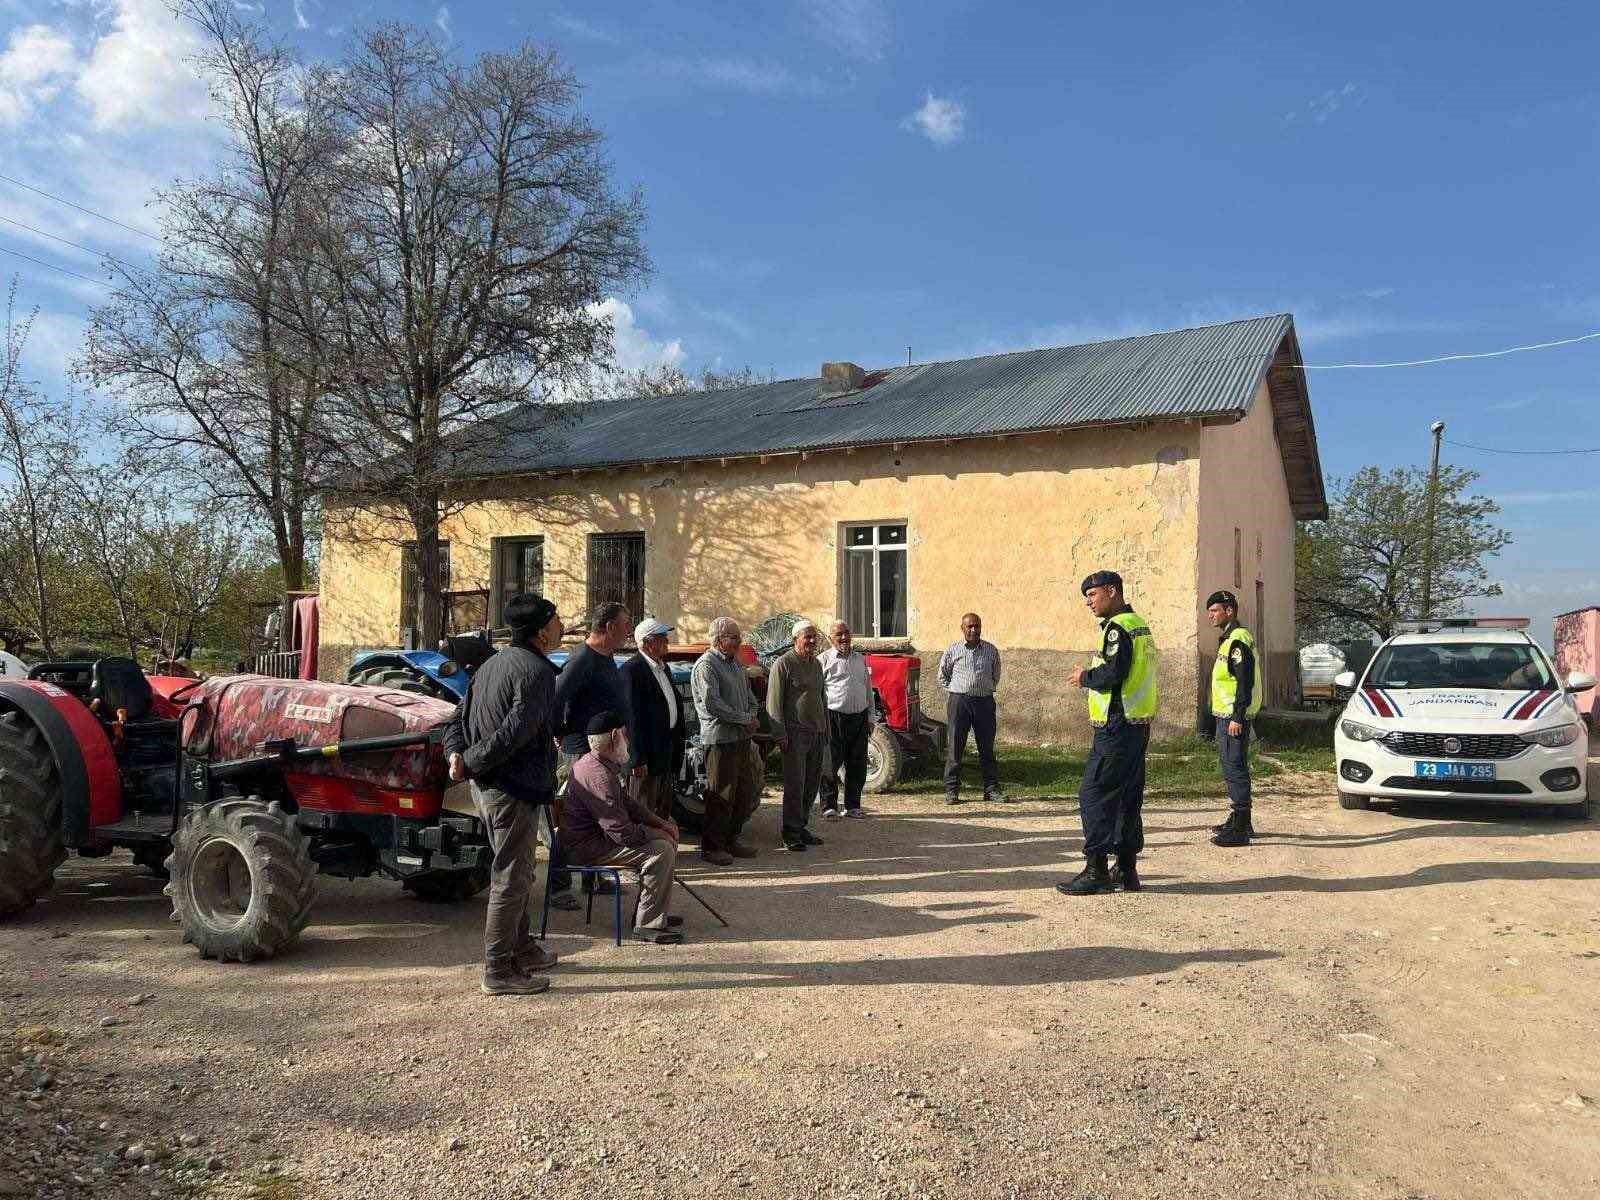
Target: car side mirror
(1346, 680)
(1580, 681)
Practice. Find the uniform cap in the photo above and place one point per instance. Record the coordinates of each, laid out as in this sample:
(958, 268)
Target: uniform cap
(1102, 579)
(1222, 597)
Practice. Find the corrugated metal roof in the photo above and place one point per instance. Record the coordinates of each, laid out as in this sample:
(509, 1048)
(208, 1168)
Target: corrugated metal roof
(1185, 373)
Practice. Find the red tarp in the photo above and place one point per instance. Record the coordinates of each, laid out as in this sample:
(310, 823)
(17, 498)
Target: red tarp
(303, 635)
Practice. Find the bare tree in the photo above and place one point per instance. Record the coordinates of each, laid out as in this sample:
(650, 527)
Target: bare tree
(468, 234)
(217, 351)
(669, 379)
(37, 452)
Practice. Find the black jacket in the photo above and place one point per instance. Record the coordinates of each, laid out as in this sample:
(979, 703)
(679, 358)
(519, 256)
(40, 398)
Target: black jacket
(589, 684)
(658, 748)
(503, 728)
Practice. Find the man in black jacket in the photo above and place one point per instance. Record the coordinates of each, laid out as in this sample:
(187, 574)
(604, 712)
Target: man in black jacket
(501, 739)
(656, 730)
(589, 685)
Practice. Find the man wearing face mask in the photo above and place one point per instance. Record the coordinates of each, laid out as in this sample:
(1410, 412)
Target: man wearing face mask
(603, 826)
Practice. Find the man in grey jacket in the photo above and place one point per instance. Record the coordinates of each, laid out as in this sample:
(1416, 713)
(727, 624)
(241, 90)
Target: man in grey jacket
(727, 709)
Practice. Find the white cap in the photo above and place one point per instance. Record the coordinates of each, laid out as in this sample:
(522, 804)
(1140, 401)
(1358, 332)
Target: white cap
(649, 628)
(800, 627)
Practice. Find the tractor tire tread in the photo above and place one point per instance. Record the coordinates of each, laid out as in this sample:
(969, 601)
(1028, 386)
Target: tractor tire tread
(283, 874)
(892, 757)
(31, 843)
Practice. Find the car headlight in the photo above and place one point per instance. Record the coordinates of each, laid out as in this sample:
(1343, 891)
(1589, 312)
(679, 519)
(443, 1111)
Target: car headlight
(1556, 735)
(1357, 732)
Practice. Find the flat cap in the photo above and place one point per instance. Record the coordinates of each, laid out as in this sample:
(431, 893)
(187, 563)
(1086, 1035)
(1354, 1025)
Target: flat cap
(650, 627)
(605, 722)
(1102, 579)
(1222, 596)
(527, 611)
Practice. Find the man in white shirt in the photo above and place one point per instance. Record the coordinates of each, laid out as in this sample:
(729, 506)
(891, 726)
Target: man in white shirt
(655, 719)
(848, 687)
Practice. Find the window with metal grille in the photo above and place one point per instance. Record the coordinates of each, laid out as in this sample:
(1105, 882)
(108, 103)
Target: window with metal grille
(516, 565)
(616, 571)
(410, 593)
(874, 579)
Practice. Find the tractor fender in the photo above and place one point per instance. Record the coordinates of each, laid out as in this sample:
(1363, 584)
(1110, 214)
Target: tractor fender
(91, 786)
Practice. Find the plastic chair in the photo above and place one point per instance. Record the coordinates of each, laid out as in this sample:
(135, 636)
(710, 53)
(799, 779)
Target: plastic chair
(616, 881)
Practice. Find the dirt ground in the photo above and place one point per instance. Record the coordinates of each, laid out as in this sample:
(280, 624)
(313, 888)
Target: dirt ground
(1372, 1005)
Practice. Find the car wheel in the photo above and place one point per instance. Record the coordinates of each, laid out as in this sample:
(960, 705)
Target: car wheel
(885, 760)
(1352, 801)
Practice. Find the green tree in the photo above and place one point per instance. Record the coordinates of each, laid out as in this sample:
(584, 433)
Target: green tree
(1361, 570)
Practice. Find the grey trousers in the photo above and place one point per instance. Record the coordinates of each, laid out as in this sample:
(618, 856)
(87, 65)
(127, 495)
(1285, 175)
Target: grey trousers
(513, 835)
(802, 773)
(654, 861)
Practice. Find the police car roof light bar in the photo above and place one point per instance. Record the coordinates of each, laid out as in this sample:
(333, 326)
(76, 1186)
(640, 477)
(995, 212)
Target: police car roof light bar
(1436, 624)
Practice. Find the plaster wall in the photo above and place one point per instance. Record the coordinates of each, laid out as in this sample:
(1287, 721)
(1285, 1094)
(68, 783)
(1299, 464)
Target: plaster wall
(1004, 527)
(1243, 488)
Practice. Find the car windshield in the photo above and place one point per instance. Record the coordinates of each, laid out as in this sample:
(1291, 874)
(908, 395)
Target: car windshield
(1498, 666)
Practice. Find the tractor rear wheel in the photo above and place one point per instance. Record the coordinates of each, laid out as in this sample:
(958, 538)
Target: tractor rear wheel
(885, 760)
(30, 815)
(242, 879)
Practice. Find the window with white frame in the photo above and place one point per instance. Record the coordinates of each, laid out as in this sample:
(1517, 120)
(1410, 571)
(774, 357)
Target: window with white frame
(874, 579)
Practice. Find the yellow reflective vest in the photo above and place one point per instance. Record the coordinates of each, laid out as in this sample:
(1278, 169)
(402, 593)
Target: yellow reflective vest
(1139, 689)
(1224, 687)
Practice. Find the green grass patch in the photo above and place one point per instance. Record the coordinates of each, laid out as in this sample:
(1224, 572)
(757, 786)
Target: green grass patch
(1183, 766)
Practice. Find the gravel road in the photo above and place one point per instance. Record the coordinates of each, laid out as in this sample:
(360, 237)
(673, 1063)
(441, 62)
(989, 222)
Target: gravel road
(1374, 1005)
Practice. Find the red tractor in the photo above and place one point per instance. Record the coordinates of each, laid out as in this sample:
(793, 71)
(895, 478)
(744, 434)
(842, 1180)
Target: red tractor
(239, 788)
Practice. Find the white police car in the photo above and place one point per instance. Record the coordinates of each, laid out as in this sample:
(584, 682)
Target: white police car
(1463, 709)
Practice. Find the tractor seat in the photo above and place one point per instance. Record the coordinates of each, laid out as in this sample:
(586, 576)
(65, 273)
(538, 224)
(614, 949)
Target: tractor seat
(119, 683)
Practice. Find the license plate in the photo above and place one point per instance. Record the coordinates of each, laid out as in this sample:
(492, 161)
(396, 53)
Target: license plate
(1455, 770)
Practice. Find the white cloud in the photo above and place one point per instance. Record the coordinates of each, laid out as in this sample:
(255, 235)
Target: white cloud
(858, 27)
(1320, 108)
(1569, 496)
(442, 20)
(301, 21)
(138, 73)
(745, 75)
(635, 346)
(37, 61)
(579, 28)
(940, 120)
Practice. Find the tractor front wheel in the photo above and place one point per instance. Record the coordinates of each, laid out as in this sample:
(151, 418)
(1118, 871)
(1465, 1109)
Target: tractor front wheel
(885, 760)
(30, 815)
(242, 879)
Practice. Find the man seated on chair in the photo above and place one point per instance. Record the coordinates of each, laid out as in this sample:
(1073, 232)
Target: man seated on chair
(603, 825)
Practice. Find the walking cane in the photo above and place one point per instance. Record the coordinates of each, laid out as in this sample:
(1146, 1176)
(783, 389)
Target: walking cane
(700, 900)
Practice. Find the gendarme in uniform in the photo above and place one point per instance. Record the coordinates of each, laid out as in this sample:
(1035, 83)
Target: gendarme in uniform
(1121, 692)
(1235, 701)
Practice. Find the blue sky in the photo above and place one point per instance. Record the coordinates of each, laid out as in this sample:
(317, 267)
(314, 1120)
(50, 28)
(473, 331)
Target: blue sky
(847, 178)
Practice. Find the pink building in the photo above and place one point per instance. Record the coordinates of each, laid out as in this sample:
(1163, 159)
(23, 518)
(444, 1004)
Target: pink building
(1578, 649)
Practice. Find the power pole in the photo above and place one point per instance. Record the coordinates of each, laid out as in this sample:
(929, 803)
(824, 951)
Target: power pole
(1433, 509)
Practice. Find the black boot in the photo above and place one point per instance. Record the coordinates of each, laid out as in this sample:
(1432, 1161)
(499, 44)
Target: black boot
(1125, 874)
(1226, 826)
(1241, 832)
(1093, 880)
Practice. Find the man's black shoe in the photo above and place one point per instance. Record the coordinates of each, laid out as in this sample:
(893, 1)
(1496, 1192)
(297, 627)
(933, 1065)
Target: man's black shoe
(1236, 836)
(797, 847)
(1225, 825)
(811, 838)
(1125, 874)
(1093, 880)
(953, 800)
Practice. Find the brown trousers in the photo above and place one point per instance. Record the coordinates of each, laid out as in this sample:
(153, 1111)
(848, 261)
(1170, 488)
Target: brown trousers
(733, 791)
(655, 793)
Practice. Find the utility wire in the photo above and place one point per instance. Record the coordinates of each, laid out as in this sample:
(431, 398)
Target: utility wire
(1499, 450)
(65, 242)
(39, 262)
(1420, 362)
(61, 200)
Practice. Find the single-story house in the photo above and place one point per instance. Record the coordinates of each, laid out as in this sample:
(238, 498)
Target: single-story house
(899, 499)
